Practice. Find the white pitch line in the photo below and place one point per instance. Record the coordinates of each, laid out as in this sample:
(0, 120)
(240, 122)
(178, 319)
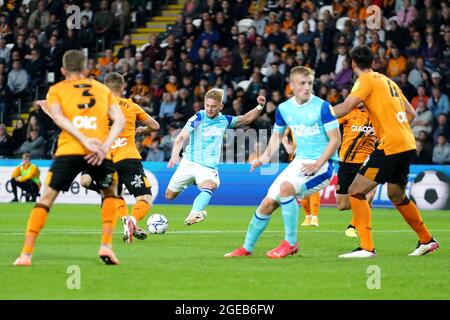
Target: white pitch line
(94, 232)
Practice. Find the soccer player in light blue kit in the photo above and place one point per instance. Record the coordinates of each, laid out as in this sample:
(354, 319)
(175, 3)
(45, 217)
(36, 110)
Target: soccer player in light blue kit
(316, 134)
(204, 134)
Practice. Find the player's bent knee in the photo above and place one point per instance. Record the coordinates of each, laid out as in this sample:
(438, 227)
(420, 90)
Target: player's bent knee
(170, 195)
(287, 189)
(209, 185)
(146, 197)
(268, 206)
(85, 180)
(396, 198)
(342, 205)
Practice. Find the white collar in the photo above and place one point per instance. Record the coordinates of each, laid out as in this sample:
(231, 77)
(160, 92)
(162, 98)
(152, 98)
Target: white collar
(304, 104)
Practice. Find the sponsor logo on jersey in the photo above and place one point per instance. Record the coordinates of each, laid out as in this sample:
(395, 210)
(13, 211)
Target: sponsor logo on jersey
(366, 129)
(119, 142)
(213, 131)
(85, 122)
(304, 130)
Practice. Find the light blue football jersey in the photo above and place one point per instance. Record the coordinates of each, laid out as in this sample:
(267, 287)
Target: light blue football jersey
(206, 138)
(309, 123)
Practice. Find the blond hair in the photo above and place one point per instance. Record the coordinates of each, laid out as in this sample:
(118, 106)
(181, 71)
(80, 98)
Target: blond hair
(74, 61)
(305, 71)
(215, 94)
(114, 81)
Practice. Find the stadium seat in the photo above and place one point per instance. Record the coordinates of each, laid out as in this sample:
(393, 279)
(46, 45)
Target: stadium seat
(323, 9)
(341, 22)
(244, 24)
(197, 23)
(244, 84)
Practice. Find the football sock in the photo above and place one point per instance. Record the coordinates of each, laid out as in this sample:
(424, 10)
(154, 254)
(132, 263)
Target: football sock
(122, 208)
(363, 221)
(256, 227)
(314, 201)
(202, 200)
(109, 212)
(412, 216)
(306, 206)
(289, 210)
(93, 186)
(140, 209)
(36, 222)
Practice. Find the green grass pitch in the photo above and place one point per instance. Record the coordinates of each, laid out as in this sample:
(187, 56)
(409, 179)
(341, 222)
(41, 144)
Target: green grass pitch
(188, 263)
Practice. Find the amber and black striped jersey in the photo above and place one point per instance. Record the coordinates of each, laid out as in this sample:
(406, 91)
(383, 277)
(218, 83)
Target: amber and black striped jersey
(358, 137)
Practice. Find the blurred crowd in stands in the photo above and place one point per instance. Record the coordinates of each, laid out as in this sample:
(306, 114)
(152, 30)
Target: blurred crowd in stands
(247, 48)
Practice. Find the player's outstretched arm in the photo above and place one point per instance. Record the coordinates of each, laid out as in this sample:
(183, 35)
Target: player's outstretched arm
(180, 142)
(252, 115)
(150, 126)
(272, 147)
(350, 103)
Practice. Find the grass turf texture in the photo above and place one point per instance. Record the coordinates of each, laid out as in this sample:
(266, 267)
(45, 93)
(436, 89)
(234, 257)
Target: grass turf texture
(188, 263)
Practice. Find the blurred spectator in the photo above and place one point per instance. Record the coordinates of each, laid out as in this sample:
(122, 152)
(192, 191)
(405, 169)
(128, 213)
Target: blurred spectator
(276, 80)
(139, 90)
(86, 35)
(107, 58)
(421, 96)
(128, 58)
(421, 156)
(438, 102)
(168, 140)
(154, 152)
(397, 64)
(426, 141)
(103, 22)
(53, 57)
(167, 108)
(87, 11)
(345, 76)
(259, 22)
(19, 134)
(17, 82)
(6, 147)
(407, 88)
(5, 52)
(431, 52)
(183, 106)
(442, 127)
(126, 46)
(34, 144)
(36, 69)
(441, 152)
(340, 58)
(423, 121)
(121, 11)
(40, 18)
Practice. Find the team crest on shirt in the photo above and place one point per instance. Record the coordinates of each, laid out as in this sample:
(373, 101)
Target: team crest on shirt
(138, 181)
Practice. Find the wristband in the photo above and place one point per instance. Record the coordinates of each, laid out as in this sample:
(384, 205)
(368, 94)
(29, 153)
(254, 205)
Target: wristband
(260, 107)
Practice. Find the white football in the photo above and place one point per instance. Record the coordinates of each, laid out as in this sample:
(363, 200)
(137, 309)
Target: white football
(430, 190)
(157, 224)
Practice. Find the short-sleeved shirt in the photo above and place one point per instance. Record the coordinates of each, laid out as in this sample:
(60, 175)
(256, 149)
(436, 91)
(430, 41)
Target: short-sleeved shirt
(206, 138)
(309, 124)
(358, 138)
(383, 100)
(86, 103)
(124, 147)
